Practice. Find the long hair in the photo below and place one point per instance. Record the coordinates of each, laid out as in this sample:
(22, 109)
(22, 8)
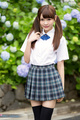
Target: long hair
(48, 11)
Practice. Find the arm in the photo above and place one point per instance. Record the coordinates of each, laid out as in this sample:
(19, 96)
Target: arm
(27, 52)
(60, 68)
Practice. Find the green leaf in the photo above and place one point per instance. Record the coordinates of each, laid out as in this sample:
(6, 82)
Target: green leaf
(78, 79)
(19, 54)
(22, 36)
(3, 72)
(14, 68)
(16, 43)
(78, 43)
(18, 62)
(13, 87)
(72, 47)
(78, 86)
(72, 27)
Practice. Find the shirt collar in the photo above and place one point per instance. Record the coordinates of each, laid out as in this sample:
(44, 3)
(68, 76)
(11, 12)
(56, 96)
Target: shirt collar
(50, 33)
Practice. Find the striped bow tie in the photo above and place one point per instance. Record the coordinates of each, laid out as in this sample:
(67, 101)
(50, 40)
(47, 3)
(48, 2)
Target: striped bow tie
(45, 37)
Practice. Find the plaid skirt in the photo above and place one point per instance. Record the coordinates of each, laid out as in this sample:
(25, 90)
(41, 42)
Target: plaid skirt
(43, 83)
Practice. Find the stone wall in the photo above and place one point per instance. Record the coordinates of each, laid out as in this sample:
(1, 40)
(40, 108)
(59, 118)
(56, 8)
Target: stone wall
(70, 88)
(14, 99)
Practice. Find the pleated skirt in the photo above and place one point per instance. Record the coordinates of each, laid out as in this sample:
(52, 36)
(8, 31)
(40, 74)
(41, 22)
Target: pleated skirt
(43, 83)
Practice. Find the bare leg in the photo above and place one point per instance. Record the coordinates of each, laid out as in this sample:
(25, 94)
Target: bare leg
(50, 103)
(35, 103)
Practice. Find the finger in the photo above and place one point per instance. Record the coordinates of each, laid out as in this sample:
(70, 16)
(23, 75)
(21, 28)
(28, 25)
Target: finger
(38, 37)
(59, 100)
(37, 33)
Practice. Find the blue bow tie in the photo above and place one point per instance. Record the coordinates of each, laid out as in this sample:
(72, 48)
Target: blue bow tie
(45, 37)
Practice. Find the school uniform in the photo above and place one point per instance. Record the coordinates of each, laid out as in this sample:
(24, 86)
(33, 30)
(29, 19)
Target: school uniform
(43, 80)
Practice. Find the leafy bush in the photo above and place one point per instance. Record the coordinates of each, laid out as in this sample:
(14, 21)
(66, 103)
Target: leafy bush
(72, 34)
(16, 18)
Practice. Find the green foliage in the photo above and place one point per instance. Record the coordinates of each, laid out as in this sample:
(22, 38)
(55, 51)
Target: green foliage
(72, 35)
(78, 83)
(21, 11)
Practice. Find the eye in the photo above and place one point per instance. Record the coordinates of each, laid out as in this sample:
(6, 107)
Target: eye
(41, 19)
(49, 18)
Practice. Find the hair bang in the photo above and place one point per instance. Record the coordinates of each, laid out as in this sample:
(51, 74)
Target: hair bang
(47, 14)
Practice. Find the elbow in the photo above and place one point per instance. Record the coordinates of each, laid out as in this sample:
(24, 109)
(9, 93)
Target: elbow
(26, 60)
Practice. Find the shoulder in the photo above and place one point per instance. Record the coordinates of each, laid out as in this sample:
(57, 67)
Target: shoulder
(63, 40)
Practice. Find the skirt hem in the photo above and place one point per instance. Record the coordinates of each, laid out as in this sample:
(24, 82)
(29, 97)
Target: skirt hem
(45, 99)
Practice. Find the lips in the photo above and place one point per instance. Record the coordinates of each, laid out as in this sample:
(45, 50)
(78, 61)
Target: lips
(46, 26)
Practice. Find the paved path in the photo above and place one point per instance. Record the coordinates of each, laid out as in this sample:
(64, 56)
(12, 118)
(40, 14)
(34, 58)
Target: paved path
(69, 116)
(67, 111)
(19, 116)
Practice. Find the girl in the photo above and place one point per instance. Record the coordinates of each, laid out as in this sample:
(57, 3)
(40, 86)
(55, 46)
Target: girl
(43, 46)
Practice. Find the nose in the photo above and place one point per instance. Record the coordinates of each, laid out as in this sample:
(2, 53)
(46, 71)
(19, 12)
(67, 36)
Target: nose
(45, 22)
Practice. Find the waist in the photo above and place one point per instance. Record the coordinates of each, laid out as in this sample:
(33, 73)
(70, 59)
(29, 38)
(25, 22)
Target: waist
(41, 66)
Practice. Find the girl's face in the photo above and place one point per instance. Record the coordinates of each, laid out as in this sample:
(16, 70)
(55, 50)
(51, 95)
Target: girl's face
(46, 23)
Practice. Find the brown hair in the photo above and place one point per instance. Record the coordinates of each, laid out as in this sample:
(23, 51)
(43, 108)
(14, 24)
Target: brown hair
(48, 11)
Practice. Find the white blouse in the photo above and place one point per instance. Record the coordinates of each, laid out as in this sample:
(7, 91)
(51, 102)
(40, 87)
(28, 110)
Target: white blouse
(44, 54)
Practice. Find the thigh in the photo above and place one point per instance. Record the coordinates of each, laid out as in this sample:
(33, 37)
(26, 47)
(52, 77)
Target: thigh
(35, 103)
(50, 103)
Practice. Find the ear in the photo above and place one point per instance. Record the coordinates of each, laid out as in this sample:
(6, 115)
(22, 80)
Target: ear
(55, 17)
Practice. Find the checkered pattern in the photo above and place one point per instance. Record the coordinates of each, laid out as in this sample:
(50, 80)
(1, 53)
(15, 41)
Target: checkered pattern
(43, 83)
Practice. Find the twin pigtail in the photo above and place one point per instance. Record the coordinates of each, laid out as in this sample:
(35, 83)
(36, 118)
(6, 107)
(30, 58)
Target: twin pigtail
(36, 28)
(58, 33)
(36, 25)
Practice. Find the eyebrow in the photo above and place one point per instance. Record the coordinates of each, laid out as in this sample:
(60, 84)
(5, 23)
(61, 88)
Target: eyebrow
(43, 18)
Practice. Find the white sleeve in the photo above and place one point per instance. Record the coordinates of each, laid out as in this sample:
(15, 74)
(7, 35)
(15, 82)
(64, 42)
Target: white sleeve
(23, 47)
(62, 51)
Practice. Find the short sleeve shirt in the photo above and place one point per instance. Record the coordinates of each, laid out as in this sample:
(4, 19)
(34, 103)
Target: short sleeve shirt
(43, 52)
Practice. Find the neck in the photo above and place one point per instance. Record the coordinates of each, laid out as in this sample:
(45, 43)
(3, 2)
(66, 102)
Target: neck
(48, 30)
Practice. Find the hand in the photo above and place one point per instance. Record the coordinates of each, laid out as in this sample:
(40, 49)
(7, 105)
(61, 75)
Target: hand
(34, 37)
(60, 99)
